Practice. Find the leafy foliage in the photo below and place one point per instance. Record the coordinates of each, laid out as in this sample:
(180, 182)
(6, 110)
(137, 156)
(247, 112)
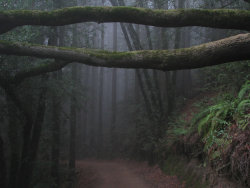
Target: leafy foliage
(214, 122)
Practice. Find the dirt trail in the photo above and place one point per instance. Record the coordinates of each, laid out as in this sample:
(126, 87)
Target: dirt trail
(108, 174)
(123, 174)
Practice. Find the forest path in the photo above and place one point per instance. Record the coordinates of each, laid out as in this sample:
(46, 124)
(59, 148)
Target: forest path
(123, 174)
(108, 174)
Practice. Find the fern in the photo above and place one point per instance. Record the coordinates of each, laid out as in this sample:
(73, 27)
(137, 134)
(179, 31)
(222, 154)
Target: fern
(213, 122)
(215, 119)
(220, 116)
(243, 105)
(202, 125)
(245, 90)
(198, 117)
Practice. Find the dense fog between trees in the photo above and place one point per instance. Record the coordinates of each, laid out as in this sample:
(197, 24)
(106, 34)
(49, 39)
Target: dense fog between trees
(53, 118)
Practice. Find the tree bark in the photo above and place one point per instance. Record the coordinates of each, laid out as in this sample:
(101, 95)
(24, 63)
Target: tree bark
(3, 168)
(38, 122)
(72, 144)
(100, 108)
(56, 131)
(113, 92)
(138, 75)
(231, 49)
(31, 138)
(219, 18)
(73, 106)
(100, 113)
(14, 144)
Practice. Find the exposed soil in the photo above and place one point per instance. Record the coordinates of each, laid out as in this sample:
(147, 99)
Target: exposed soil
(122, 174)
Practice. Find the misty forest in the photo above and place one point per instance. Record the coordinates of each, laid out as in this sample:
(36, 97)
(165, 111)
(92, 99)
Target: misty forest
(124, 93)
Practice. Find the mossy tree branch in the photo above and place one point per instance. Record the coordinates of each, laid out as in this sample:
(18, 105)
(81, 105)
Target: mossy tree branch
(218, 18)
(231, 49)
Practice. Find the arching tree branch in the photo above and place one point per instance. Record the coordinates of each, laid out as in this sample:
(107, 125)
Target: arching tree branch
(220, 18)
(231, 49)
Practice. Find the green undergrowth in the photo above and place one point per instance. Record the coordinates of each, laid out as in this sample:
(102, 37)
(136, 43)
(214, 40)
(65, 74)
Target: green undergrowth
(214, 123)
(218, 135)
(178, 166)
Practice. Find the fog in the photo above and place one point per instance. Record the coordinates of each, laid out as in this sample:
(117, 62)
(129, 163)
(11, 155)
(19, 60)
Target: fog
(64, 125)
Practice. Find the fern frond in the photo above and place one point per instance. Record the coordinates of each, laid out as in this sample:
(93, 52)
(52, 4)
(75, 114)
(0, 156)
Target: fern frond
(245, 90)
(199, 116)
(202, 125)
(243, 104)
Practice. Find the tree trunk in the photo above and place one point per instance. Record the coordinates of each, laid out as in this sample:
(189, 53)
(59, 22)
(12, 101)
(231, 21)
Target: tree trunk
(56, 38)
(73, 104)
(72, 144)
(101, 88)
(3, 168)
(114, 90)
(14, 144)
(55, 145)
(31, 142)
(100, 118)
(93, 105)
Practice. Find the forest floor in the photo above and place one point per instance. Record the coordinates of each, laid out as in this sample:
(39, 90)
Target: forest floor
(123, 174)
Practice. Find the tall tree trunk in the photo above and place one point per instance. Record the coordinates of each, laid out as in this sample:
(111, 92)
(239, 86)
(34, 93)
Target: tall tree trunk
(126, 85)
(25, 166)
(57, 40)
(25, 169)
(114, 80)
(101, 81)
(14, 144)
(72, 144)
(138, 76)
(73, 115)
(177, 44)
(3, 168)
(93, 105)
(55, 145)
(31, 141)
(100, 118)
(38, 122)
(86, 113)
(188, 75)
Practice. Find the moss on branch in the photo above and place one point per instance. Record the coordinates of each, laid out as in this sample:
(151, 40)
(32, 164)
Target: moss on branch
(231, 49)
(217, 18)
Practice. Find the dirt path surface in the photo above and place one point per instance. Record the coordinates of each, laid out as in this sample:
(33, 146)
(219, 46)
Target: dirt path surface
(108, 174)
(120, 174)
